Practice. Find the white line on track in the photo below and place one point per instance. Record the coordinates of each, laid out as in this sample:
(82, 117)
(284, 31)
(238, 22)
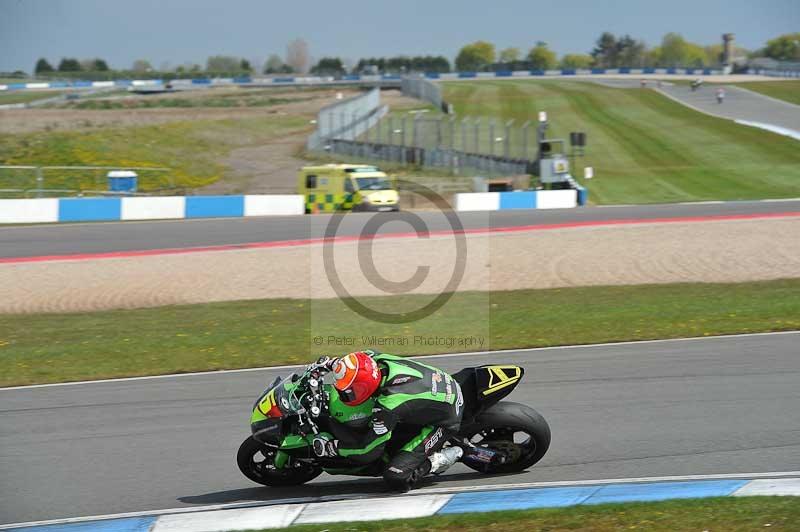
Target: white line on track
(444, 355)
(425, 491)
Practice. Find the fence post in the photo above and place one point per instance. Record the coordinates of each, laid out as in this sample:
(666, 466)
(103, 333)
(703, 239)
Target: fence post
(507, 147)
(525, 139)
(439, 133)
(39, 181)
(464, 134)
(491, 137)
(477, 132)
(452, 122)
(403, 139)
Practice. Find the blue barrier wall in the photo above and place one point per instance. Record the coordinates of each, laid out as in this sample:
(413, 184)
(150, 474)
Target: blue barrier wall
(89, 209)
(214, 206)
(517, 200)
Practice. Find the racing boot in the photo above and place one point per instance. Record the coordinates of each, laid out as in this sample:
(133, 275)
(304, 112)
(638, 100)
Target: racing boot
(442, 460)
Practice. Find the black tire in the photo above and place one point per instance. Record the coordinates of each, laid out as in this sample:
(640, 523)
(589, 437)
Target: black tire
(260, 471)
(504, 419)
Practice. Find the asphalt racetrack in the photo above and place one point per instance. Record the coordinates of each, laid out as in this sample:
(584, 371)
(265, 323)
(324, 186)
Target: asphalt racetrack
(702, 406)
(89, 238)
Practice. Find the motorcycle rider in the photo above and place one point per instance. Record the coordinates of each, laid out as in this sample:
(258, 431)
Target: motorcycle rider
(413, 403)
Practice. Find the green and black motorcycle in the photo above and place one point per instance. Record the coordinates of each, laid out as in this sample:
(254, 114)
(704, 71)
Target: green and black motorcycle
(497, 437)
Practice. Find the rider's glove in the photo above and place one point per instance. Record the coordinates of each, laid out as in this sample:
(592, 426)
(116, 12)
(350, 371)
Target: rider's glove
(325, 447)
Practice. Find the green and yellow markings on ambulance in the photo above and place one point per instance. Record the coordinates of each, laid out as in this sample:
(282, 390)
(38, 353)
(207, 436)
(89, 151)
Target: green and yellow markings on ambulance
(331, 202)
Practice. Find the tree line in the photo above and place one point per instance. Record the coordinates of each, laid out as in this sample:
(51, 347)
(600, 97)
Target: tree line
(609, 51)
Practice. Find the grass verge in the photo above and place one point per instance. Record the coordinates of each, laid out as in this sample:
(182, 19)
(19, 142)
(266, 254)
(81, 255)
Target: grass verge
(644, 147)
(722, 513)
(192, 149)
(26, 96)
(49, 348)
(788, 90)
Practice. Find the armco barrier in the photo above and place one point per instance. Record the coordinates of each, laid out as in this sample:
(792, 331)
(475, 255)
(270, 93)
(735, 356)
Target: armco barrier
(531, 199)
(53, 210)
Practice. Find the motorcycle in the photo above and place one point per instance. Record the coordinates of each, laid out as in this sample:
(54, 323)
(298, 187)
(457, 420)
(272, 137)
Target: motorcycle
(496, 436)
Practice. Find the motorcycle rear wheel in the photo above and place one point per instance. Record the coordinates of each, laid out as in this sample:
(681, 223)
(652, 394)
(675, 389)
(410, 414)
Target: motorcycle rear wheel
(516, 430)
(263, 471)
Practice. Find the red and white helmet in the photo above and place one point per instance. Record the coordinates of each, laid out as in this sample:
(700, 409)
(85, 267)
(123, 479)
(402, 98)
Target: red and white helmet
(356, 378)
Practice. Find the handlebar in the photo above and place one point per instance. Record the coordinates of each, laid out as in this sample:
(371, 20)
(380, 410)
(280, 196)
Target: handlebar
(316, 400)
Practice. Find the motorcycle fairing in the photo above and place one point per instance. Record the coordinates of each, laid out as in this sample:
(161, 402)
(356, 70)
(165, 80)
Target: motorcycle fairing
(492, 380)
(486, 385)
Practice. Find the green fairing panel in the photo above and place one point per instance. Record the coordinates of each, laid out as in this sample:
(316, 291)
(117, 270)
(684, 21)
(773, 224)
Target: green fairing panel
(294, 441)
(257, 416)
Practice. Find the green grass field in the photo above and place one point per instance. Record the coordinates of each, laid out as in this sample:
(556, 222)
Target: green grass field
(644, 147)
(788, 90)
(62, 347)
(729, 514)
(26, 96)
(192, 149)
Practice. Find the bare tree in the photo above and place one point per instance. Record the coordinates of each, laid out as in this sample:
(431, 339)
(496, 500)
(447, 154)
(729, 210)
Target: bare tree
(141, 65)
(297, 55)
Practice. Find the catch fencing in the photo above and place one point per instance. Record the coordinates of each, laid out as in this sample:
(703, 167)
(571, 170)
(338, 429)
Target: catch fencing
(59, 181)
(348, 119)
(469, 145)
(424, 89)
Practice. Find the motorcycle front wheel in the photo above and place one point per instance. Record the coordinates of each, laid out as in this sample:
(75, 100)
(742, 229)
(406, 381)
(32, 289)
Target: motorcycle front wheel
(516, 430)
(257, 462)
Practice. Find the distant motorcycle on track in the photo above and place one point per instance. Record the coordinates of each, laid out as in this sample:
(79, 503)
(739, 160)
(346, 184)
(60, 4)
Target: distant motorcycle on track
(496, 436)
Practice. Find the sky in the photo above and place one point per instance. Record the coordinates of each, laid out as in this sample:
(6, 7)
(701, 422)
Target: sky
(175, 32)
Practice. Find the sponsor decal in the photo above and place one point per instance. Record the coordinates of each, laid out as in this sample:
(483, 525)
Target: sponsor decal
(436, 378)
(379, 427)
(400, 380)
(394, 469)
(433, 439)
(267, 405)
(459, 399)
(357, 415)
(501, 377)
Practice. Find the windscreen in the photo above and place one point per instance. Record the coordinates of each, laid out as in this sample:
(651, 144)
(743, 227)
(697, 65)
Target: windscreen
(284, 396)
(373, 183)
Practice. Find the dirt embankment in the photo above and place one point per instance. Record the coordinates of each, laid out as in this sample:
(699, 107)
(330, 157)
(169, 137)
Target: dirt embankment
(729, 251)
(294, 102)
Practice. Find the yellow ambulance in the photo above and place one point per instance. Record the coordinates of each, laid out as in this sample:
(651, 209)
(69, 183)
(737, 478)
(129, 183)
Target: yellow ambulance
(344, 187)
